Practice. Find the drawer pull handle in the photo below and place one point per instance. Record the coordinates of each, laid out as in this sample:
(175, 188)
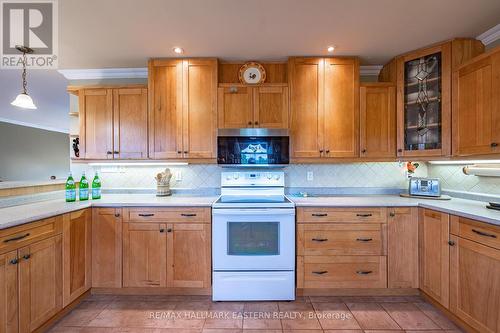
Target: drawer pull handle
(364, 215)
(320, 272)
(363, 272)
(188, 214)
(319, 214)
(319, 239)
(146, 215)
(16, 238)
(364, 239)
(483, 233)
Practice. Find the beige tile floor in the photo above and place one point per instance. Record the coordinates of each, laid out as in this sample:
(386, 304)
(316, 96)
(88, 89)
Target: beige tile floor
(182, 314)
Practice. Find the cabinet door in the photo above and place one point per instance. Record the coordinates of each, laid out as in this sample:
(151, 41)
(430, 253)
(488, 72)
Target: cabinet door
(106, 248)
(189, 255)
(434, 254)
(235, 107)
(341, 115)
(144, 255)
(402, 247)
(40, 282)
(476, 110)
(306, 89)
(8, 293)
(424, 102)
(377, 120)
(165, 109)
(271, 107)
(96, 123)
(77, 254)
(130, 114)
(475, 284)
(199, 117)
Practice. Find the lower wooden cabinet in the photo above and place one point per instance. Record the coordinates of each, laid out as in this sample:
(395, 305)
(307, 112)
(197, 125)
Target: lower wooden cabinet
(77, 255)
(402, 247)
(107, 247)
(434, 252)
(9, 303)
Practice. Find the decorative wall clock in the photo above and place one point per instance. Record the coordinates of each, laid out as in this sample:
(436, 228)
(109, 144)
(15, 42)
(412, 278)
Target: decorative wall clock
(252, 73)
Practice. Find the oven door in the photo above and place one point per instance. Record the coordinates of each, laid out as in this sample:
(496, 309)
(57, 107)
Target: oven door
(253, 239)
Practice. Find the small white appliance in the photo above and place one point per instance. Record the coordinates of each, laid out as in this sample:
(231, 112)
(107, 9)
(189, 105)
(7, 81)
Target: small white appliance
(253, 238)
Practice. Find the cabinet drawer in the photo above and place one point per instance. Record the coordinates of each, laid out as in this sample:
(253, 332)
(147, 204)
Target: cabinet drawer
(343, 215)
(341, 239)
(476, 231)
(22, 235)
(345, 272)
(187, 214)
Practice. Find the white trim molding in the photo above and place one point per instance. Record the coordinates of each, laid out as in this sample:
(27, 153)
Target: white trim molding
(490, 36)
(105, 73)
(25, 124)
(372, 70)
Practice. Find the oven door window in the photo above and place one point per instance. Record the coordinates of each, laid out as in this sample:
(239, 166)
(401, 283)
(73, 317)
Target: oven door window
(253, 238)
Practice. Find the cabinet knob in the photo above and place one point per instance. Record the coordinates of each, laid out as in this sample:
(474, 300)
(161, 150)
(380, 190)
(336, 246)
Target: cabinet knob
(169, 230)
(321, 151)
(14, 261)
(392, 214)
(162, 230)
(249, 123)
(109, 152)
(363, 151)
(494, 144)
(117, 215)
(116, 152)
(451, 243)
(179, 152)
(400, 150)
(26, 256)
(256, 123)
(327, 151)
(185, 152)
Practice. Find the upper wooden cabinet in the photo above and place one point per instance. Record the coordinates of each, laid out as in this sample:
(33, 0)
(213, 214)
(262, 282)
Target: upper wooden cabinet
(113, 123)
(242, 106)
(423, 79)
(182, 108)
(324, 107)
(476, 106)
(377, 125)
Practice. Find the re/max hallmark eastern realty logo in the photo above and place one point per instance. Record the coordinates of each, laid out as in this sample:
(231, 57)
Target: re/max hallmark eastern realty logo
(32, 24)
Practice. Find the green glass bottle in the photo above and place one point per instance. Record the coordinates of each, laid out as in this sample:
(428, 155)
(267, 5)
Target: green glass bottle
(70, 189)
(83, 192)
(96, 187)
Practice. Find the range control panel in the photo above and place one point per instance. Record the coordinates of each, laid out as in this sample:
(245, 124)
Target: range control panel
(250, 178)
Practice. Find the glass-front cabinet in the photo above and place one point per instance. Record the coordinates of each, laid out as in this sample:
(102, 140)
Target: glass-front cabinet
(424, 114)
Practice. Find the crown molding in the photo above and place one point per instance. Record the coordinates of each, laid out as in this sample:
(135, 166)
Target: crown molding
(490, 35)
(105, 73)
(372, 70)
(32, 125)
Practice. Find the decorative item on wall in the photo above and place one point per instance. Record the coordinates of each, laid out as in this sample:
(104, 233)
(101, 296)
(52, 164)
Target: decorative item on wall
(23, 100)
(163, 183)
(76, 149)
(252, 73)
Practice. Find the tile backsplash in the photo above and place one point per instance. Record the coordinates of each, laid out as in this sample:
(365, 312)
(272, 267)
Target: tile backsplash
(199, 176)
(453, 178)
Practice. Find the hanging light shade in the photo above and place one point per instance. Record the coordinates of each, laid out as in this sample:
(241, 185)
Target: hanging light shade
(23, 100)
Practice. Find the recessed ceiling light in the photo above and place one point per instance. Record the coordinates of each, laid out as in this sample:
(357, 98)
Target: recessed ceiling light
(178, 50)
(330, 49)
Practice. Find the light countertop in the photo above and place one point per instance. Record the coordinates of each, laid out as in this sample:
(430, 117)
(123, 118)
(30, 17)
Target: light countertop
(28, 183)
(16, 215)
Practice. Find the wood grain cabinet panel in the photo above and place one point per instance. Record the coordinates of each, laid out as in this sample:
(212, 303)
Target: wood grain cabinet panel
(165, 109)
(9, 283)
(189, 255)
(40, 282)
(271, 107)
(402, 247)
(235, 106)
(377, 120)
(77, 254)
(475, 284)
(476, 107)
(106, 247)
(144, 254)
(434, 254)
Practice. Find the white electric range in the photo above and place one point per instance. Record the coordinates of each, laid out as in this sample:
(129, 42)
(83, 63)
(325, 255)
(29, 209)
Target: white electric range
(253, 238)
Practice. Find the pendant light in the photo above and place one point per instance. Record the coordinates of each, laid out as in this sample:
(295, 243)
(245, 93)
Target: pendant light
(23, 100)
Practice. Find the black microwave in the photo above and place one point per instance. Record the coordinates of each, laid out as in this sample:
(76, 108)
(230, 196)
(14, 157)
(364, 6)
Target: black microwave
(253, 147)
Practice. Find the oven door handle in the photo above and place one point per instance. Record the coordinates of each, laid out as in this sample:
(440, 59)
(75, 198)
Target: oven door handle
(247, 212)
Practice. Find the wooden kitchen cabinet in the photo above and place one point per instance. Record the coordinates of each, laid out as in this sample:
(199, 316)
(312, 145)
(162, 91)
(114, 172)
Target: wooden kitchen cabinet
(235, 106)
(189, 255)
(77, 254)
(271, 106)
(9, 284)
(476, 107)
(144, 255)
(106, 247)
(182, 108)
(434, 254)
(40, 282)
(113, 122)
(402, 247)
(324, 107)
(377, 125)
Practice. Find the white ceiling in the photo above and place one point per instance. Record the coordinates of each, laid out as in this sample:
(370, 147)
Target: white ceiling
(125, 33)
